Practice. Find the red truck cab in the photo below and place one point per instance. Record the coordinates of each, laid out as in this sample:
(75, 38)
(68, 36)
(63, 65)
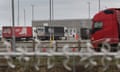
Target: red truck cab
(106, 25)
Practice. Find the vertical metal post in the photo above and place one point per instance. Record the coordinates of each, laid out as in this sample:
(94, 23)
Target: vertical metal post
(99, 5)
(32, 22)
(88, 10)
(32, 12)
(13, 24)
(50, 16)
(51, 13)
(88, 19)
(73, 63)
(53, 18)
(24, 17)
(18, 12)
(52, 9)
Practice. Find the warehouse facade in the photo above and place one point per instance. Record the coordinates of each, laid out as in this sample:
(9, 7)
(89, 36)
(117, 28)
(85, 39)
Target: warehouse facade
(74, 24)
(78, 23)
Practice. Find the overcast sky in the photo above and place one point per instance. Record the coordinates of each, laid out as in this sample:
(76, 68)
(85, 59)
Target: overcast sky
(63, 9)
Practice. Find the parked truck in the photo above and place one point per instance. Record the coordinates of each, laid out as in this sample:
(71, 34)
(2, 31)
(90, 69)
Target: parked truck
(106, 27)
(50, 32)
(85, 33)
(20, 32)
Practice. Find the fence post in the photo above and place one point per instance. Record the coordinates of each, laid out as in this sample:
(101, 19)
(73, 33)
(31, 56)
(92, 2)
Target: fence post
(56, 46)
(79, 45)
(33, 41)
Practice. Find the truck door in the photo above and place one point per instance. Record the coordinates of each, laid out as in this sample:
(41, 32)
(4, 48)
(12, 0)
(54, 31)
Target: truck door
(97, 31)
(118, 20)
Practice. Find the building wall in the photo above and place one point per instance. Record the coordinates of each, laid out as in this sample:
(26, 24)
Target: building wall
(77, 23)
(69, 23)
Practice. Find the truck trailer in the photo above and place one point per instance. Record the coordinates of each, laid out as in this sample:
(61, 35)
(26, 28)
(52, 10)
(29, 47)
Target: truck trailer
(20, 32)
(106, 27)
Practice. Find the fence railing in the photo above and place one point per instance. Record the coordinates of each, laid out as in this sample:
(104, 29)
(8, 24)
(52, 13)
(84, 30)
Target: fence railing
(25, 58)
(48, 44)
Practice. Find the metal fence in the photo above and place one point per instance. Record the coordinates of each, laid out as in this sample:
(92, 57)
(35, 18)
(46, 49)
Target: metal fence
(45, 56)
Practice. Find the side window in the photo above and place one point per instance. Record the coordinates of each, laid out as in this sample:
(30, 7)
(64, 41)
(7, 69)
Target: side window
(97, 26)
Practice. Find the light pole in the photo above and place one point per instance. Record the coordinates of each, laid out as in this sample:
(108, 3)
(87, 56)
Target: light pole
(88, 10)
(24, 17)
(32, 12)
(52, 12)
(53, 18)
(18, 12)
(99, 5)
(13, 24)
(88, 14)
(50, 16)
(88, 21)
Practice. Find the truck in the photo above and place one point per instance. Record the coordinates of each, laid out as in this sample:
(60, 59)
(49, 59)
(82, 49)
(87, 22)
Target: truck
(20, 32)
(106, 27)
(85, 33)
(50, 32)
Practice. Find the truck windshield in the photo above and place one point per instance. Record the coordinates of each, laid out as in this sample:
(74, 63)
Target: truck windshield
(41, 30)
(97, 26)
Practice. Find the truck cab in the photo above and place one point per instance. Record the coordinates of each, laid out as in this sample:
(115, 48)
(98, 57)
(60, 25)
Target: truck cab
(105, 26)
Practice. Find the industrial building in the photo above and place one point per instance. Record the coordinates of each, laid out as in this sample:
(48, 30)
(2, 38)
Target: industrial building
(73, 25)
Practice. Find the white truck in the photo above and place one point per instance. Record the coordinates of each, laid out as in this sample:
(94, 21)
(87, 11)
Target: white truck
(44, 33)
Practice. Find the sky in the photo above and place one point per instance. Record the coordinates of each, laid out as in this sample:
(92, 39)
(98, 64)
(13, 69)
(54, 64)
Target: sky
(63, 9)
